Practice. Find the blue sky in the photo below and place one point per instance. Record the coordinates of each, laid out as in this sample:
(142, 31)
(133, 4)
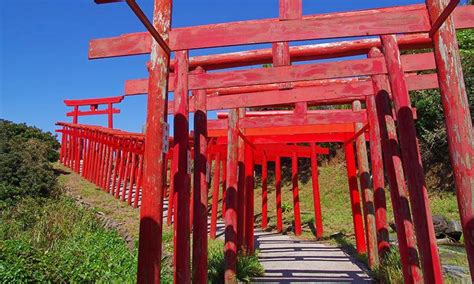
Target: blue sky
(44, 44)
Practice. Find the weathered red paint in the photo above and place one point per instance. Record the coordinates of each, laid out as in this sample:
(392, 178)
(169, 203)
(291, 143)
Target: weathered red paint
(396, 179)
(355, 198)
(412, 163)
(215, 195)
(249, 200)
(264, 192)
(230, 218)
(376, 161)
(241, 186)
(318, 217)
(296, 196)
(200, 189)
(457, 118)
(151, 211)
(367, 194)
(279, 212)
(182, 273)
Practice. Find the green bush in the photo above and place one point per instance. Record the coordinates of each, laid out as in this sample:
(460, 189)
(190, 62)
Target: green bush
(25, 162)
(53, 240)
(247, 265)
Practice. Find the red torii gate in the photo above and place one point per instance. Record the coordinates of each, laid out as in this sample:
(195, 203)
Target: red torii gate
(407, 19)
(94, 108)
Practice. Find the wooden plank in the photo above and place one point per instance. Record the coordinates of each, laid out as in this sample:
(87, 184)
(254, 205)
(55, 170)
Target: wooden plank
(411, 63)
(325, 117)
(92, 112)
(307, 72)
(140, 43)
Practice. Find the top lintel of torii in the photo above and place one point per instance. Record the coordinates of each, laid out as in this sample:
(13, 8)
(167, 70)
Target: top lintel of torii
(410, 19)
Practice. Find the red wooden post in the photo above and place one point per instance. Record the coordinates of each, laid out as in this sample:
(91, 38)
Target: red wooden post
(118, 158)
(110, 117)
(133, 177)
(412, 163)
(376, 161)
(224, 185)
(182, 178)
(355, 198)
(318, 216)
(241, 189)
(398, 191)
(230, 247)
(78, 151)
(458, 121)
(123, 161)
(296, 197)
(151, 211)
(75, 114)
(139, 182)
(127, 171)
(264, 192)
(200, 187)
(367, 193)
(279, 211)
(249, 202)
(215, 194)
(63, 145)
(103, 180)
(173, 169)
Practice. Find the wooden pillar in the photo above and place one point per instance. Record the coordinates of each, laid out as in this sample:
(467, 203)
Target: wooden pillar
(376, 161)
(173, 170)
(133, 178)
(249, 199)
(412, 165)
(279, 211)
(367, 193)
(318, 217)
(224, 184)
(264, 192)
(182, 176)
(230, 218)
(139, 182)
(355, 198)
(241, 189)
(110, 116)
(396, 179)
(215, 195)
(151, 211)
(75, 114)
(200, 187)
(458, 121)
(296, 196)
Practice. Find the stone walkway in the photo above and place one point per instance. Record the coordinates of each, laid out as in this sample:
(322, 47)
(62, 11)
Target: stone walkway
(288, 260)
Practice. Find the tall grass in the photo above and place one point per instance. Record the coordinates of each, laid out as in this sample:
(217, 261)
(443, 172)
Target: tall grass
(54, 240)
(247, 265)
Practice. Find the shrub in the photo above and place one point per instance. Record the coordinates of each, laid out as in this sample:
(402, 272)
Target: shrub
(25, 168)
(247, 265)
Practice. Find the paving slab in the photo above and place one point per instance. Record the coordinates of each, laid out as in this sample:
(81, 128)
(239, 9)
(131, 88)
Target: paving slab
(291, 260)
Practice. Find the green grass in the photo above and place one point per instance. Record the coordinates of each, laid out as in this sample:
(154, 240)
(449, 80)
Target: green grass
(54, 240)
(248, 266)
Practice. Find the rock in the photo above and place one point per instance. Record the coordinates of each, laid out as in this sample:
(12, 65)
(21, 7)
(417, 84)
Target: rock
(336, 235)
(440, 226)
(393, 226)
(454, 230)
(461, 274)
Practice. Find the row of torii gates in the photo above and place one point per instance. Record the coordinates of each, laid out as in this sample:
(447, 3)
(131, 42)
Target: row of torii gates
(377, 87)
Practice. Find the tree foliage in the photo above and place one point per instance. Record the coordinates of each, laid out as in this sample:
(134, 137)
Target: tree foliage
(25, 156)
(430, 123)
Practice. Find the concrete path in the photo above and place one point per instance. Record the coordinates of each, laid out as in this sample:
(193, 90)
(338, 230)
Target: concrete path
(288, 260)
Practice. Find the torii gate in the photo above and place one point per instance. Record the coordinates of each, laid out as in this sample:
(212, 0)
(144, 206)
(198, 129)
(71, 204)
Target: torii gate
(432, 18)
(94, 103)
